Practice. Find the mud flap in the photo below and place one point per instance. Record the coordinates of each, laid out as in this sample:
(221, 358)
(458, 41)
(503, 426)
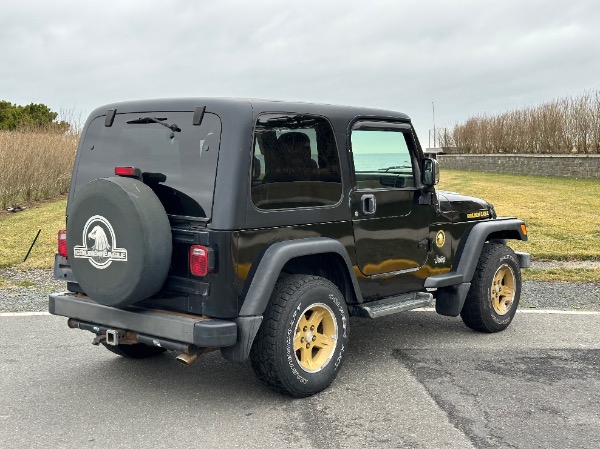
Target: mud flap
(450, 300)
(247, 329)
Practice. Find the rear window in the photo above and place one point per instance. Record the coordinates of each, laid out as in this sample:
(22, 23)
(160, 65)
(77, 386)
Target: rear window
(179, 166)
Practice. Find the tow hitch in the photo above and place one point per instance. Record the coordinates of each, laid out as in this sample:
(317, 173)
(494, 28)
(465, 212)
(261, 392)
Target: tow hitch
(113, 337)
(189, 353)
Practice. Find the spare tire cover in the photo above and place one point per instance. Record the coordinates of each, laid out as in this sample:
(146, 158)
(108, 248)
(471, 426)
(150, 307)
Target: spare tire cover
(119, 241)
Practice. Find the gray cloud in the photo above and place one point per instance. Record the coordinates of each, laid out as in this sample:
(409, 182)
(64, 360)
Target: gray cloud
(468, 57)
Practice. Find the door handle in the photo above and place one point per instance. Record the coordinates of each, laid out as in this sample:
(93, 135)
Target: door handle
(368, 204)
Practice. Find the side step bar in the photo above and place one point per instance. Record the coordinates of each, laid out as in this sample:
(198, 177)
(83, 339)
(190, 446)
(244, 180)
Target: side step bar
(391, 305)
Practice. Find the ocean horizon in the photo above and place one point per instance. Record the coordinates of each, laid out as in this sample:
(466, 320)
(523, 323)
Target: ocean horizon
(375, 161)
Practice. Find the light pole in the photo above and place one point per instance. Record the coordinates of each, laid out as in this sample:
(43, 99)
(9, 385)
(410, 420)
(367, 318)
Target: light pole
(433, 111)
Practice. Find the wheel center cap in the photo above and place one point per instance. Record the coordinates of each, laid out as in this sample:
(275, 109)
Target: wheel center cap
(309, 336)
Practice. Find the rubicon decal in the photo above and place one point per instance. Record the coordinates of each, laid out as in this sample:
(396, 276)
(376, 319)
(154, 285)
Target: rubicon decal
(99, 244)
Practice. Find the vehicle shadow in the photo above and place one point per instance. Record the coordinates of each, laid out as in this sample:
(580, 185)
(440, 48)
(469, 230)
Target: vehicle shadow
(214, 378)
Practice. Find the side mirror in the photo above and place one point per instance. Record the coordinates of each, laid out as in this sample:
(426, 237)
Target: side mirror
(430, 172)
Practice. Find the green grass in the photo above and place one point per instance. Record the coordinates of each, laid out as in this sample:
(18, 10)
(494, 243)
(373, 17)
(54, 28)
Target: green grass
(17, 231)
(26, 284)
(5, 283)
(562, 214)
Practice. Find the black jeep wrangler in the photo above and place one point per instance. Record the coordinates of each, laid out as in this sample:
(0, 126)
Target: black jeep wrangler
(259, 227)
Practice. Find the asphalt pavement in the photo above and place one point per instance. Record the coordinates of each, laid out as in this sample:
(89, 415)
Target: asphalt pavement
(413, 380)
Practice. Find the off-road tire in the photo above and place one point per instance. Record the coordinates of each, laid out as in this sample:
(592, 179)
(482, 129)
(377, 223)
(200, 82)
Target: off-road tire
(276, 361)
(135, 351)
(497, 268)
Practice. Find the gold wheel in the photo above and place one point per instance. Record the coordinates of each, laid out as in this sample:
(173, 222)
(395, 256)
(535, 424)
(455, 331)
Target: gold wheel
(316, 337)
(503, 290)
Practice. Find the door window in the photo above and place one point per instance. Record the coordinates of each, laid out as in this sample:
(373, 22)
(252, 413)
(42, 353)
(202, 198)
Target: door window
(382, 158)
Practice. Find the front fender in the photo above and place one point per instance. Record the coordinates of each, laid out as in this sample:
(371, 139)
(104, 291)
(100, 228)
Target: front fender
(470, 246)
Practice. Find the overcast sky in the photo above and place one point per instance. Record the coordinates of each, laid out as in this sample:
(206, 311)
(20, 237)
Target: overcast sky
(469, 57)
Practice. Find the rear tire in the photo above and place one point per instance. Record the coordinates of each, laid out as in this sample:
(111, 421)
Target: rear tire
(301, 342)
(135, 351)
(495, 290)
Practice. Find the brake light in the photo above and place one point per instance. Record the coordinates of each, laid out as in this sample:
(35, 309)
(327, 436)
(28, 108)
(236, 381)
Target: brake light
(199, 260)
(62, 243)
(125, 171)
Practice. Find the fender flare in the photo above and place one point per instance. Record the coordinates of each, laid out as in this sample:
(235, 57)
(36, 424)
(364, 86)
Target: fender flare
(274, 259)
(263, 281)
(453, 287)
(470, 247)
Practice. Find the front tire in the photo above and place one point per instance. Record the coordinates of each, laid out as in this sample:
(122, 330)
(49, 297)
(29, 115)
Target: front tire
(300, 345)
(495, 290)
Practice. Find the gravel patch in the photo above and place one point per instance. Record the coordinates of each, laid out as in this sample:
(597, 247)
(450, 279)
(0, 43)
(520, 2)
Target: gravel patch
(568, 264)
(560, 295)
(28, 292)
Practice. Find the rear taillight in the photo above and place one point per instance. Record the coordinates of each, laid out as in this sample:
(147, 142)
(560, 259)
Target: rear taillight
(62, 243)
(199, 263)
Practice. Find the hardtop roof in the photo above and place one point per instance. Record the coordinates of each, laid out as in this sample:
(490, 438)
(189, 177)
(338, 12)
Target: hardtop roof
(216, 104)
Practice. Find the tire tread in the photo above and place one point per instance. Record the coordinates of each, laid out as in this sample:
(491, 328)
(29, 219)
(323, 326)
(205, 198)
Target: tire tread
(473, 313)
(263, 355)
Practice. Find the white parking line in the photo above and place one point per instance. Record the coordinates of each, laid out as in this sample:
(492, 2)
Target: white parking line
(23, 314)
(534, 311)
(424, 309)
(559, 312)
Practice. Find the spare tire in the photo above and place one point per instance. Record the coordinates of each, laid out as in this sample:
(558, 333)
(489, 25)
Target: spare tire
(119, 241)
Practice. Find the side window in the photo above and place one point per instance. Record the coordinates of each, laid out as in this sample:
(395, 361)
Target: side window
(382, 158)
(295, 162)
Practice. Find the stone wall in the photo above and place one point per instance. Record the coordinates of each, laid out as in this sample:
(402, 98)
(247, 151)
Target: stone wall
(572, 166)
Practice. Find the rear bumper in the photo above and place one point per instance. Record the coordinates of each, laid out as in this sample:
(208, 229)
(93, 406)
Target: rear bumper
(179, 327)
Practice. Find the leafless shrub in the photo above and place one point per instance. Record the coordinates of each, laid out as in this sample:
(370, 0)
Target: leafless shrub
(35, 164)
(563, 125)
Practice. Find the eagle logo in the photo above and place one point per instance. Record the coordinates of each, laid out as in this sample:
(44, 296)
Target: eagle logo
(100, 244)
(100, 241)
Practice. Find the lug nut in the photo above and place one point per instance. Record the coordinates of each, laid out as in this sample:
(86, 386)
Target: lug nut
(305, 328)
(302, 340)
(314, 338)
(307, 345)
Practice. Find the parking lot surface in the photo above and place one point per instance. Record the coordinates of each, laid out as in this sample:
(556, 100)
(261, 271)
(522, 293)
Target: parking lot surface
(413, 380)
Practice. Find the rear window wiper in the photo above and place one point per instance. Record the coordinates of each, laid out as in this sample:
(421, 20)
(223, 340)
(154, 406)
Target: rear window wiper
(160, 120)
